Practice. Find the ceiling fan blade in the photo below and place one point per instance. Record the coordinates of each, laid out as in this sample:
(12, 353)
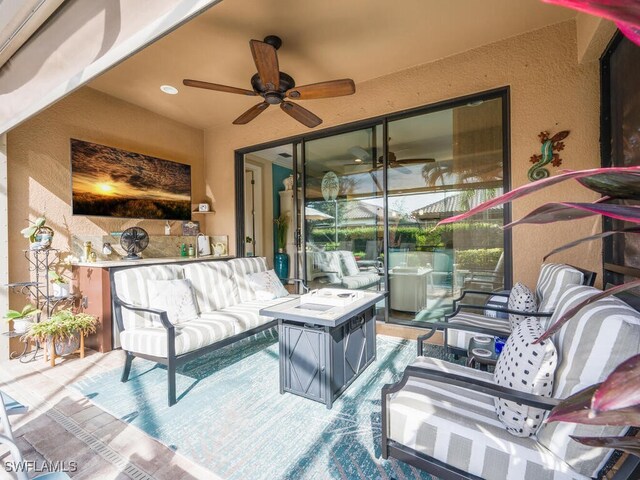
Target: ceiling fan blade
(219, 88)
(333, 88)
(416, 160)
(301, 114)
(250, 114)
(266, 60)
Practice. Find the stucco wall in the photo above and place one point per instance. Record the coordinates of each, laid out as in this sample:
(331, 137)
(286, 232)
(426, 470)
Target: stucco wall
(39, 166)
(549, 91)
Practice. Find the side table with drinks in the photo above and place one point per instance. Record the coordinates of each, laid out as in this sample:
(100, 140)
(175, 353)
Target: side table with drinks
(484, 351)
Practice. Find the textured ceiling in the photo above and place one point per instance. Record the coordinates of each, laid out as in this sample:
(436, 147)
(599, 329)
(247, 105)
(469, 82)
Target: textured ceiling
(322, 40)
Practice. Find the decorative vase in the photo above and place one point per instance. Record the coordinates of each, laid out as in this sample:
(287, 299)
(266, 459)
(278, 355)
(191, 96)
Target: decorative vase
(60, 290)
(21, 325)
(65, 346)
(281, 265)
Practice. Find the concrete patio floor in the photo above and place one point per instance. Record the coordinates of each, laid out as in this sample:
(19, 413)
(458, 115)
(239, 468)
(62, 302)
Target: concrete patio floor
(64, 426)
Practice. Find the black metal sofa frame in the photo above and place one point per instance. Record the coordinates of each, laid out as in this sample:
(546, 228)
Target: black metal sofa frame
(173, 361)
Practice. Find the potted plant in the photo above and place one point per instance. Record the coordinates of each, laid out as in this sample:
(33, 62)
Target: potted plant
(59, 283)
(281, 263)
(22, 319)
(63, 332)
(38, 234)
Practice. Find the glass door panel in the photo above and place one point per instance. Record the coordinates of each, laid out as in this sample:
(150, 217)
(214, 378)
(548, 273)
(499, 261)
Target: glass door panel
(343, 210)
(441, 164)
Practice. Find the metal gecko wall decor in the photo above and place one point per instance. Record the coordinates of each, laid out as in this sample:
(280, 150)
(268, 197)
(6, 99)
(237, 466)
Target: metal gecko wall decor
(549, 154)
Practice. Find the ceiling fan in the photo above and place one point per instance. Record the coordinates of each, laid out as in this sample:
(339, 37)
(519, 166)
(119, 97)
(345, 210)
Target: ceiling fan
(394, 162)
(276, 86)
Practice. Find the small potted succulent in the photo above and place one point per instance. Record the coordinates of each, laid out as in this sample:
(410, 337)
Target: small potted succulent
(38, 234)
(63, 332)
(59, 284)
(23, 319)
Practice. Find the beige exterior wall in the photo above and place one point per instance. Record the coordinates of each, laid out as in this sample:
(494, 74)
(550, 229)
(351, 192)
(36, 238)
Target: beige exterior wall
(39, 166)
(550, 90)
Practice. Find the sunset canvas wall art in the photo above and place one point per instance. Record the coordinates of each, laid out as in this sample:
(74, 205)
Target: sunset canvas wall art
(110, 182)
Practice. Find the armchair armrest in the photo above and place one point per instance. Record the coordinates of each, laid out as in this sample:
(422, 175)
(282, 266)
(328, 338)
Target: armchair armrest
(299, 281)
(164, 319)
(488, 388)
(503, 310)
(446, 325)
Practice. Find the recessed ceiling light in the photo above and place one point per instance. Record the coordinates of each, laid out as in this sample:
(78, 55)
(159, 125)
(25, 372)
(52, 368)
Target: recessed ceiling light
(358, 160)
(169, 89)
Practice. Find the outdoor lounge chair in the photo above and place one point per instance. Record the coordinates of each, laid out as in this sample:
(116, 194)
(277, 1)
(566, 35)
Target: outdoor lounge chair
(441, 417)
(552, 282)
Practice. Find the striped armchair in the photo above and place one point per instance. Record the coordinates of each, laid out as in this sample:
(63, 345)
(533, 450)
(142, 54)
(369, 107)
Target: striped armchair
(553, 280)
(441, 416)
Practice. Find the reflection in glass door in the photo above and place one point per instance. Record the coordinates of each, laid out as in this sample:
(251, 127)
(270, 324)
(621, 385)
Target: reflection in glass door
(440, 164)
(343, 214)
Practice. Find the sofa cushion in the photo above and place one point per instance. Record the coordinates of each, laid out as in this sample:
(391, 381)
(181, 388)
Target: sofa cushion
(460, 338)
(527, 367)
(521, 298)
(241, 268)
(360, 281)
(190, 336)
(175, 297)
(460, 427)
(267, 285)
(349, 264)
(131, 287)
(247, 314)
(213, 284)
(553, 280)
(590, 345)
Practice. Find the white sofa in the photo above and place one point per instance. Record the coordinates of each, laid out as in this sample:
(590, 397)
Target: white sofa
(227, 311)
(341, 269)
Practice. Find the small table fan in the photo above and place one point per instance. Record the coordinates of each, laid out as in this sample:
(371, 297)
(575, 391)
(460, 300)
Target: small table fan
(134, 240)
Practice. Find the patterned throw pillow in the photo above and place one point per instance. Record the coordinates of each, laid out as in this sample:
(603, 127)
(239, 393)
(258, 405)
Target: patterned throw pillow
(267, 285)
(529, 368)
(175, 297)
(522, 299)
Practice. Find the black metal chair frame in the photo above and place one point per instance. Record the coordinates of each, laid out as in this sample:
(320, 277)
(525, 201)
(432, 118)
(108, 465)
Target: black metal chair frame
(630, 469)
(589, 280)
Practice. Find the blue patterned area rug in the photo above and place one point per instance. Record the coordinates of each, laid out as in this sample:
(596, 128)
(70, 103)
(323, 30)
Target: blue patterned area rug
(231, 418)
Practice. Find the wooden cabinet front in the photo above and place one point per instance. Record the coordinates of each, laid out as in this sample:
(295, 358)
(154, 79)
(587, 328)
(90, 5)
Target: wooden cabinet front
(93, 287)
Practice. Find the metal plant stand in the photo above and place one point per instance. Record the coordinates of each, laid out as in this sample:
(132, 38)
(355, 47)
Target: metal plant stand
(38, 291)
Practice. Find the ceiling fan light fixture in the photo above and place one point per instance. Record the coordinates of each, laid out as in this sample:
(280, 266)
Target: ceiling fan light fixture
(169, 89)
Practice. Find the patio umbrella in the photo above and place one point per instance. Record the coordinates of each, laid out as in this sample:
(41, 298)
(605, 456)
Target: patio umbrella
(313, 214)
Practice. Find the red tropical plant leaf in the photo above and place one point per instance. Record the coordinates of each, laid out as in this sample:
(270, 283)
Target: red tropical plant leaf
(632, 32)
(629, 444)
(621, 389)
(562, 211)
(614, 185)
(625, 11)
(590, 238)
(571, 312)
(577, 409)
(540, 184)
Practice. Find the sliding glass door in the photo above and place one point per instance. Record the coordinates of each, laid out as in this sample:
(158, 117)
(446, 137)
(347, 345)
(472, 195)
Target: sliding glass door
(440, 164)
(343, 215)
(363, 205)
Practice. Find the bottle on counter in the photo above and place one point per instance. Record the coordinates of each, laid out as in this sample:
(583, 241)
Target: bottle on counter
(192, 251)
(183, 250)
(87, 251)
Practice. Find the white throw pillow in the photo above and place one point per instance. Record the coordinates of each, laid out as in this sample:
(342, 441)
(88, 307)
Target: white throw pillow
(521, 298)
(267, 285)
(526, 367)
(175, 297)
